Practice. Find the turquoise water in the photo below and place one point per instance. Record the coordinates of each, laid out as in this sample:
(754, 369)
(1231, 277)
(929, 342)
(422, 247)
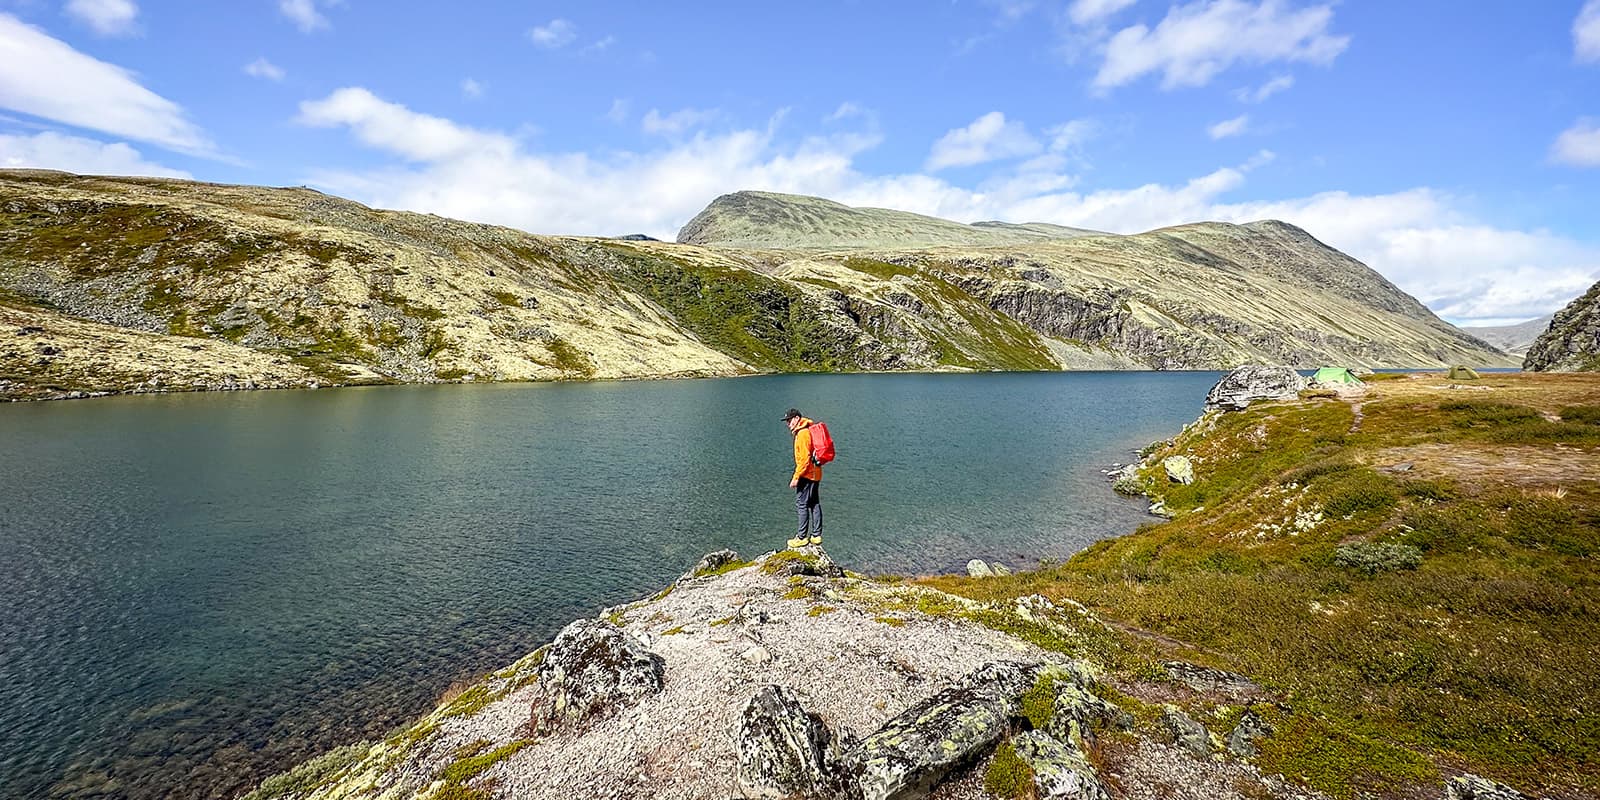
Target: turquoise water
(199, 590)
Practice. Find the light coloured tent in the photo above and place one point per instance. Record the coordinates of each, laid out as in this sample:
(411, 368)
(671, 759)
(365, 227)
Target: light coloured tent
(1334, 376)
(1460, 373)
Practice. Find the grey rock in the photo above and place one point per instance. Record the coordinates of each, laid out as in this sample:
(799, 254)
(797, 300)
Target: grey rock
(591, 669)
(1183, 731)
(1572, 342)
(1060, 770)
(711, 561)
(757, 655)
(1000, 570)
(786, 751)
(1241, 740)
(977, 568)
(1206, 680)
(813, 563)
(1179, 469)
(1244, 385)
(1079, 711)
(913, 752)
(1472, 787)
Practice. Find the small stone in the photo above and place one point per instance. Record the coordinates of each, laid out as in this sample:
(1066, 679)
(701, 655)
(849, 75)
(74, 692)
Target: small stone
(1241, 740)
(1000, 570)
(757, 655)
(977, 568)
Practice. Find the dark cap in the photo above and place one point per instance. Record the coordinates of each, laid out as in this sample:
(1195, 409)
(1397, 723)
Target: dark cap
(791, 414)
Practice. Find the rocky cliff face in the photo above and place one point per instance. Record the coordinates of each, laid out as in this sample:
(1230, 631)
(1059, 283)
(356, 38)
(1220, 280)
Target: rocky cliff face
(120, 284)
(1572, 342)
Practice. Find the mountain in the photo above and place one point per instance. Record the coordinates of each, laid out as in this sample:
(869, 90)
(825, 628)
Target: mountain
(771, 221)
(135, 284)
(1514, 339)
(1572, 342)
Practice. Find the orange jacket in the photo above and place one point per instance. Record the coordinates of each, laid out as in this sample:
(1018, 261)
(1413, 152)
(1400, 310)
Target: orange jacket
(803, 468)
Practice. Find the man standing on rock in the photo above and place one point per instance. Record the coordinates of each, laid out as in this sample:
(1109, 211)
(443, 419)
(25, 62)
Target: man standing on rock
(806, 483)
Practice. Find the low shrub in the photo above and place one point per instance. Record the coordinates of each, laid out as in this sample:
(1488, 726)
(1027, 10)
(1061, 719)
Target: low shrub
(1373, 558)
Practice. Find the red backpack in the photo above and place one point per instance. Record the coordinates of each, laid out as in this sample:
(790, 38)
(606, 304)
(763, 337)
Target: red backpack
(821, 444)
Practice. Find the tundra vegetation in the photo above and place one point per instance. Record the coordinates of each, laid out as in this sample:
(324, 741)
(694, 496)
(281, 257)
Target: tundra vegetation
(1417, 586)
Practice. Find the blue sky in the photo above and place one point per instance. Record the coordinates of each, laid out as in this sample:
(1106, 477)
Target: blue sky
(1453, 146)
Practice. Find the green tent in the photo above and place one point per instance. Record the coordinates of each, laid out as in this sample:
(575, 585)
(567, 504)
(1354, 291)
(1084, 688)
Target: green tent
(1460, 373)
(1334, 376)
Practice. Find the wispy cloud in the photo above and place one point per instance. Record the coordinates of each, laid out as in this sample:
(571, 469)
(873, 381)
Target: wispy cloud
(106, 17)
(262, 68)
(306, 14)
(1260, 93)
(1579, 145)
(1196, 42)
(1095, 12)
(556, 33)
(1586, 33)
(990, 137)
(600, 45)
(1229, 127)
(471, 89)
(676, 122)
(47, 78)
(52, 150)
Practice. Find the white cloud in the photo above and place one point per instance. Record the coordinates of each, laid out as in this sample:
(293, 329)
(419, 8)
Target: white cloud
(675, 122)
(846, 110)
(262, 68)
(1229, 127)
(45, 77)
(989, 138)
(1586, 33)
(1265, 90)
(1195, 42)
(1093, 12)
(106, 17)
(1462, 267)
(52, 150)
(472, 89)
(306, 14)
(1579, 145)
(554, 34)
(393, 127)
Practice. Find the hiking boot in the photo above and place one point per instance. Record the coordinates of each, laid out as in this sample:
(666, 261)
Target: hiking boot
(794, 543)
(816, 540)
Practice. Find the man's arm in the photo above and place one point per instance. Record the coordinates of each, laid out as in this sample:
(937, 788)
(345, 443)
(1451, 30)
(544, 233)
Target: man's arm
(802, 455)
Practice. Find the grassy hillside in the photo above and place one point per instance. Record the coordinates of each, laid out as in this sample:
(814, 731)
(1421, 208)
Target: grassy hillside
(1413, 576)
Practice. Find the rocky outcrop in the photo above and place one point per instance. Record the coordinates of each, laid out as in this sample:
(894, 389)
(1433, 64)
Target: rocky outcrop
(591, 669)
(1060, 771)
(786, 751)
(919, 748)
(1245, 385)
(1572, 342)
(1185, 732)
(1472, 787)
(1242, 739)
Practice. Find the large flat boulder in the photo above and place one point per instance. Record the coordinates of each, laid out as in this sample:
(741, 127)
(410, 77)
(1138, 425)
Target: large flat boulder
(1245, 385)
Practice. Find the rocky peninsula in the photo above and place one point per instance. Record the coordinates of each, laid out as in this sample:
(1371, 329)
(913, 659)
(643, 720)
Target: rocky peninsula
(1385, 590)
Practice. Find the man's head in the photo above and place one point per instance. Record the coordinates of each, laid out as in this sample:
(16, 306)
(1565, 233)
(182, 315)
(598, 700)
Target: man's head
(793, 418)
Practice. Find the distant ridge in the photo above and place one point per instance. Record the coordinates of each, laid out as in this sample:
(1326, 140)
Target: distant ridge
(773, 221)
(1514, 339)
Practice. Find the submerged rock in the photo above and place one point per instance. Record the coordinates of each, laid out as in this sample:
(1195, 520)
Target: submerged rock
(916, 750)
(786, 751)
(591, 669)
(1060, 770)
(1244, 385)
(1179, 469)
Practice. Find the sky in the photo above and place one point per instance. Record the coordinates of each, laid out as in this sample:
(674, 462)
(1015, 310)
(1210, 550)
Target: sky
(1452, 145)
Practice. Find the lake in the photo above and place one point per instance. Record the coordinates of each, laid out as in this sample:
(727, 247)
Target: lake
(197, 591)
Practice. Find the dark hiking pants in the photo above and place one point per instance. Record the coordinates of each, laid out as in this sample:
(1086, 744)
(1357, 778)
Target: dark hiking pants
(808, 502)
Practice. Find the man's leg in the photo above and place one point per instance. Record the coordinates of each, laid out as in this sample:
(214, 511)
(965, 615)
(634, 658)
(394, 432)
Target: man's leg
(816, 510)
(802, 505)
